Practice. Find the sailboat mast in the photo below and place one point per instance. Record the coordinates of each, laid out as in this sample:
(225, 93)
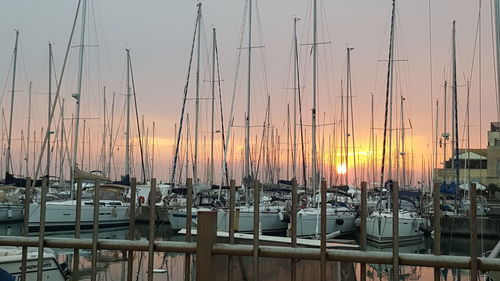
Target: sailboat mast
(211, 175)
(313, 111)
(28, 132)
(403, 148)
(497, 40)
(249, 88)
(77, 96)
(127, 131)
(9, 138)
(295, 90)
(61, 145)
(455, 109)
(197, 100)
(388, 103)
(49, 113)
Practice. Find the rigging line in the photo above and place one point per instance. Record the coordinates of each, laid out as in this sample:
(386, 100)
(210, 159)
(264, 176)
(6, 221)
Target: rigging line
(7, 80)
(494, 57)
(186, 87)
(105, 43)
(224, 148)
(388, 94)
(304, 170)
(53, 106)
(137, 120)
(236, 76)
(262, 54)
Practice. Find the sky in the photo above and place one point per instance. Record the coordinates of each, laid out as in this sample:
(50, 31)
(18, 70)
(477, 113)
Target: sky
(159, 35)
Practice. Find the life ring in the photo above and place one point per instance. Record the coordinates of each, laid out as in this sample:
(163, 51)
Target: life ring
(142, 200)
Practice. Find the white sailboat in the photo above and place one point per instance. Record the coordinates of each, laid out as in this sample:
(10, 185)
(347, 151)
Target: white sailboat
(61, 215)
(379, 223)
(339, 217)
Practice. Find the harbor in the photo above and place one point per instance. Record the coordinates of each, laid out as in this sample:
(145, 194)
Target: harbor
(163, 141)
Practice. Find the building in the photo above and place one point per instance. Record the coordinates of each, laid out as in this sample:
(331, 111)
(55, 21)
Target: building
(476, 165)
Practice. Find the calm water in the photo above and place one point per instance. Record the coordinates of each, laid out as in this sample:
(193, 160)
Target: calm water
(170, 266)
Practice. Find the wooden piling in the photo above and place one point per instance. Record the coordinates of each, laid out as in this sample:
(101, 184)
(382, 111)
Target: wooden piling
(78, 220)
(293, 229)
(95, 230)
(152, 223)
(207, 236)
(323, 231)
(256, 228)
(362, 228)
(473, 232)
(189, 204)
(43, 201)
(131, 231)
(395, 231)
(27, 201)
(232, 199)
(437, 228)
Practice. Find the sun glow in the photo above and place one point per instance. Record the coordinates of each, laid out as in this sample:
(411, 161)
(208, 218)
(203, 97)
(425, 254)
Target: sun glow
(341, 169)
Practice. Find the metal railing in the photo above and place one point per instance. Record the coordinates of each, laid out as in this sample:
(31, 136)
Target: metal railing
(206, 247)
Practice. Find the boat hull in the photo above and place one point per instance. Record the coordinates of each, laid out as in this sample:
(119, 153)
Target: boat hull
(379, 229)
(60, 217)
(308, 223)
(11, 213)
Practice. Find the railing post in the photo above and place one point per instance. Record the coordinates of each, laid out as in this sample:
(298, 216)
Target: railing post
(131, 231)
(95, 230)
(293, 229)
(232, 199)
(473, 233)
(41, 234)
(207, 236)
(152, 223)
(27, 201)
(78, 219)
(437, 228)
(395, 231)
(323, 231)
(189, 203)
(362, 228)
(256, 210)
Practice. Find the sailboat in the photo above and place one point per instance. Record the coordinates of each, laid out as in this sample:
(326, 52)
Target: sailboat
(61, 215)
(379, 223)
(339, 217)
(269, 216)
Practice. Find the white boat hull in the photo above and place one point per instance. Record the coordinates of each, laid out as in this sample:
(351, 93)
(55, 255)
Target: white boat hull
(11, 213)
(62, 216)
(269, 222)
(11, 263)
(379, 228)
(309, 223)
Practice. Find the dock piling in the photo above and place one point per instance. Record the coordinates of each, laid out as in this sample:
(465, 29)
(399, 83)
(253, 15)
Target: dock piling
(437, 228)
(131, 232)
(152, 223)
(24, 253)
(207, 235)
(362, 228)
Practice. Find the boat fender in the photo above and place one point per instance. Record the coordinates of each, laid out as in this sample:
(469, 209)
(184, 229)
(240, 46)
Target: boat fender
(114, 212)
(340, 221)
(9, 213)
(142, 200)
(280, 215)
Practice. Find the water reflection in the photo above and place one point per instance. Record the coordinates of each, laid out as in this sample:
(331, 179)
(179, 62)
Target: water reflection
(112, 265)
(384, 271)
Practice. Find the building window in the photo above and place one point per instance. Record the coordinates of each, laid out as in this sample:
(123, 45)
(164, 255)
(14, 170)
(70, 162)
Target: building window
(497, 142)
(498, 167)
